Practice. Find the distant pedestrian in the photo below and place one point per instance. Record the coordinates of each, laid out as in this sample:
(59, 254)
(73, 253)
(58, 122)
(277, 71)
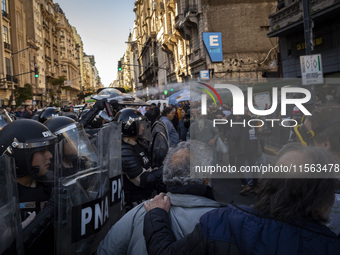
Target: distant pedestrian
(167, 116)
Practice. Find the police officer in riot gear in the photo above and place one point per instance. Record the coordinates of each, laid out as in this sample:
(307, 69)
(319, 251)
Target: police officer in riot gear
(32, 146)
(48, 113)
(77, 151)
(139, 178)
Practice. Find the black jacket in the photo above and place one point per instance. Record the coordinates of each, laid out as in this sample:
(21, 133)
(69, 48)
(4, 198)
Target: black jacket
(139, 179)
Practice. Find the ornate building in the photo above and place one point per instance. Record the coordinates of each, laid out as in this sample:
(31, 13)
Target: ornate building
(38, 40)
(169, 44)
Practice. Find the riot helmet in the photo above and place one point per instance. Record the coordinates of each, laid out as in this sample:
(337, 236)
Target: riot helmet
(75, 148)
(21, 140)
(134, 124)
(48, 113)
(56, 123)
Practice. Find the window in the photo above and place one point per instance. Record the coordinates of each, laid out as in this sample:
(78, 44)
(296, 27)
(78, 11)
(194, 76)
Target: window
(5, 34)
(8, 66)
(4, 5)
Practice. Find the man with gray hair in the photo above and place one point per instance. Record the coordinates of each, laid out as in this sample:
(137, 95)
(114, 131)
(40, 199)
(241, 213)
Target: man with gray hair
(190, 199)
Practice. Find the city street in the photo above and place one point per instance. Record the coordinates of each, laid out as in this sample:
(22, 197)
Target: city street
(228, 190)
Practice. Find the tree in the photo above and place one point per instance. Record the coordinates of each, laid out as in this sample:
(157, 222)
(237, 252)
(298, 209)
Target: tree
(23, 94)
(58, 81)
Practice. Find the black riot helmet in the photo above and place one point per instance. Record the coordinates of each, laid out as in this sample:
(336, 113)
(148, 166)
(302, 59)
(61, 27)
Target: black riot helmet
(48, 113)
(56, 123)
(21, 138)
(74, 144)
(134, 123)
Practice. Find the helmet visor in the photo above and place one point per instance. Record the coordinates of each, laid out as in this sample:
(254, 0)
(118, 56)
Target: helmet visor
(144, 130)
(4, 118)
(76, 151)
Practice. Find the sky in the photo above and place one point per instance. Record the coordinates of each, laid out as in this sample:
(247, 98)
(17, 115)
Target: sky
(104, 27)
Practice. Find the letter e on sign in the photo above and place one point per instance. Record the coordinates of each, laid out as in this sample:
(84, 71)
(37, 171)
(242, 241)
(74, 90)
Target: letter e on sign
(213, 40)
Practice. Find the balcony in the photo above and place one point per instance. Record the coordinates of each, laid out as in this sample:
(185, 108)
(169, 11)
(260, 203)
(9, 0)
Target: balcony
(48, 58)
(7, 46)
(5, 14)
(291, 16)
(195, 56)
(9, 77)
(190, 9)
(46, 26)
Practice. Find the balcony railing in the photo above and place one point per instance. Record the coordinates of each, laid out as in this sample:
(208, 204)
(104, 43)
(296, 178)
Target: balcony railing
(194, 56)
(5, 14)
(46, 26)
(7, 46)
(294, 12)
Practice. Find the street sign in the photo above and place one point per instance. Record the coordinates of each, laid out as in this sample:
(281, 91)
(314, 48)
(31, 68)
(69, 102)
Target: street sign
(204, 75)
(68, 83)
(311, 69)
(213, 44)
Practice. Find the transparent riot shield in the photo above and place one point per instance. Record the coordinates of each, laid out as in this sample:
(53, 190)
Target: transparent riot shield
(10, 226)
(4, 118)
(82, 195)
(109, 146)
(159, 149)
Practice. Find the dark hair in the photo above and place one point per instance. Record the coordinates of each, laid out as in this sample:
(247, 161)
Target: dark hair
(153, 104)
(324, 128)
(167, 110)
(298, 200)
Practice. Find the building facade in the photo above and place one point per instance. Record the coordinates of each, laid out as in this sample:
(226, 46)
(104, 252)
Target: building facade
(169, 39)
(286, 23)
(40, 48)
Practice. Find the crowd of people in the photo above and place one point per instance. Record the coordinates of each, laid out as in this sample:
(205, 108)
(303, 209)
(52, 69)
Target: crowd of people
(167, 209)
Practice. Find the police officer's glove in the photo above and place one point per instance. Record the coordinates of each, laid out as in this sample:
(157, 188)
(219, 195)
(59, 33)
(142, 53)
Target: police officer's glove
(100, 104)
(150, 179)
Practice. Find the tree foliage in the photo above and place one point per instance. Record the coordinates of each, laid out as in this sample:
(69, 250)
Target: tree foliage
(58, 81)
(23, 94)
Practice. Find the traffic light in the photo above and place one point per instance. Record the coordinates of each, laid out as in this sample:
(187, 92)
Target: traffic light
(165, 92)
(172, 89)
(36, 72)
(119, 65)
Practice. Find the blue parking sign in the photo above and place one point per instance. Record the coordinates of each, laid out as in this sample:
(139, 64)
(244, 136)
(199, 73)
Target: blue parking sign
(213, 44)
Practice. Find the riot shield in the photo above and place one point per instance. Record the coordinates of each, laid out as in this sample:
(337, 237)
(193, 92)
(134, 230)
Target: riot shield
(4, 118)
(109, 146)
(159, 149)
(82, 196)
(10, 226)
